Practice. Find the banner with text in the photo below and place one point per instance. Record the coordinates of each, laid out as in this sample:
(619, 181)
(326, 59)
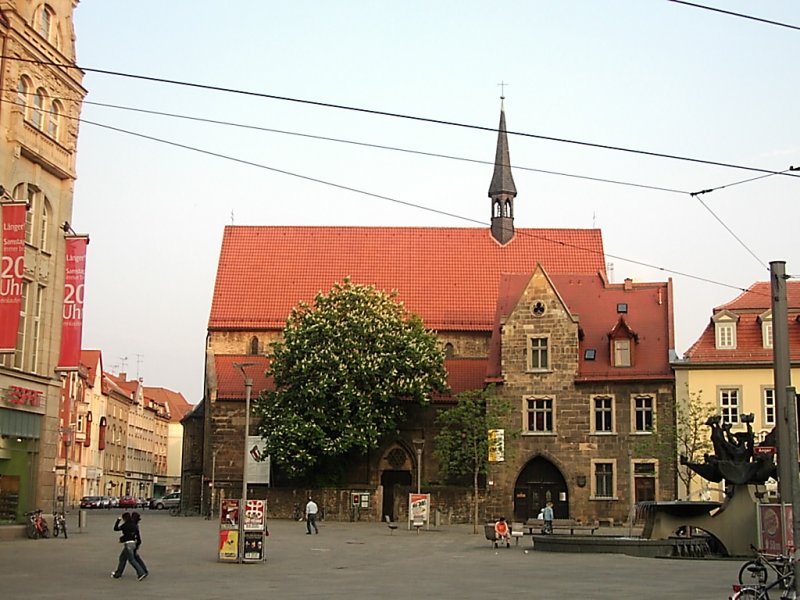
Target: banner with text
(11, 267)
(72, 310)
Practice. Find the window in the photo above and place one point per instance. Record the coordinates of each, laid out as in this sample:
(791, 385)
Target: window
(643, 409)
(45, 22)
(54, 120)
(537, 353)
(590, 354)
(37, 327)
(19, 351)
(729, 405)
(37, 114)
(254, 346)
(449, 351)
(644, 480)
(44, 225)
(726, 336)
(603, 479)
(603, 408)
(539, 415)
(766, 333)
(769, 407)
(23, 87)
(622, 353)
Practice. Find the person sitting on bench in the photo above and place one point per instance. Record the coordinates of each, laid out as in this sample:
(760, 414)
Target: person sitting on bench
(502, 532)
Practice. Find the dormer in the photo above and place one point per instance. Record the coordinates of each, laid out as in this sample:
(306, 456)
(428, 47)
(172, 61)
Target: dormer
(765, 319)
(725, 330)
(622, 339)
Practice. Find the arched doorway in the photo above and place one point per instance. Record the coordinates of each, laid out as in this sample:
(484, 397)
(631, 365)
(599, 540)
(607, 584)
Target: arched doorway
(395, 471)
(540, 482)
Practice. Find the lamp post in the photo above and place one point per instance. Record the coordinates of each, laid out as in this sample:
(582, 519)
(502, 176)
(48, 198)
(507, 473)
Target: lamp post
(419, 444)
(66, 436)
(248, 389)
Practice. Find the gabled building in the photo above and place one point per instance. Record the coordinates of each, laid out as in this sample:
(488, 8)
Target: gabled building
(38, 148)
(469, 286)
(730, 366)
(168, 458)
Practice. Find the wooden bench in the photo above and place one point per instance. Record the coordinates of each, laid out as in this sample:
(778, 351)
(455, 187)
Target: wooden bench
(536, 525)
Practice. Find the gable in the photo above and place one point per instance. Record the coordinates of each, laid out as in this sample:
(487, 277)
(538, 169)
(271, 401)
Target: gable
(448, 276)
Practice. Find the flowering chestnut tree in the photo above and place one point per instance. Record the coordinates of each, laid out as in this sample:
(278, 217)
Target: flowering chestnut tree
(345, 366)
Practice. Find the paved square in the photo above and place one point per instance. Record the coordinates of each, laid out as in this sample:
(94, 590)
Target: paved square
(346, 560)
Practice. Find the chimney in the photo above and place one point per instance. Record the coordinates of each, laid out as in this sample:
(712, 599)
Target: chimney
(123, 375)
(628, 285)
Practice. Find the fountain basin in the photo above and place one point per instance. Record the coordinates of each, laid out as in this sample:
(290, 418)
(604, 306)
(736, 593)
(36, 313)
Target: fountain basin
(632, 546)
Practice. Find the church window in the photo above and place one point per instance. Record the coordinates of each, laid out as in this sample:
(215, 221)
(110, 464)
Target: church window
(254, 346)
(539, 414)
(603, 418)
(449, 351)
(538, 354)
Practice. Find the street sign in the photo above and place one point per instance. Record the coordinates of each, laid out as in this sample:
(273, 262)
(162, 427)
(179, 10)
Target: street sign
(764, 450)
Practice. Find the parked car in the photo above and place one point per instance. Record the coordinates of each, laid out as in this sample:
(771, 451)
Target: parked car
(114, 501)
(92, 502)
(128, 502)
(169, 501)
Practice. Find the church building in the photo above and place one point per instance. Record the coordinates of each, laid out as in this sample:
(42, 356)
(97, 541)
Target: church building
(583, 362)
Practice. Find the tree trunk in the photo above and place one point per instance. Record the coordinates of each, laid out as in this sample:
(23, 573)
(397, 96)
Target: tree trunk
(475, 501)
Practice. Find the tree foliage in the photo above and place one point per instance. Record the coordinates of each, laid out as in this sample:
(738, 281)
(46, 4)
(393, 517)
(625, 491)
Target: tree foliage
(462, 446)
(693, 434)
(341, 373)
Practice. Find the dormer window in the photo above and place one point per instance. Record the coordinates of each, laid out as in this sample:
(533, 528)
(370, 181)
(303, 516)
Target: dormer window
(725, 330)
(766, 329)
(622, 338)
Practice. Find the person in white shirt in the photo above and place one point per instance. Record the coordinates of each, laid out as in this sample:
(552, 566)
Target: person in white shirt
(311, 516)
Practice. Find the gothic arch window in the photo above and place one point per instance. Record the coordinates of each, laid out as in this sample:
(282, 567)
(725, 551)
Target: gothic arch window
(54, 119)
(23, 90)
(497, 208)
(254, 346)
(507, 209)
(449, 351)
(37, 112)
(45, 22)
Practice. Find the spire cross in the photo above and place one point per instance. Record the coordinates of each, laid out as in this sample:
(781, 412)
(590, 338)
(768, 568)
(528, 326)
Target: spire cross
(503, 85)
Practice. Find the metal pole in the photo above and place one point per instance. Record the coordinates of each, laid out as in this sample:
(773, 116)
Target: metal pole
(419, 468)
(792, 410)
(248, 385)
(787, 460)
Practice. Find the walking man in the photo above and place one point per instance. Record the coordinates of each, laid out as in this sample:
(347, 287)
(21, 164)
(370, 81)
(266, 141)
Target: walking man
(547, 513)
(311, 516)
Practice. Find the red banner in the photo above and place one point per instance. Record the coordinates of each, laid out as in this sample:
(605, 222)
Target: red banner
(72, 310)
(13, 261)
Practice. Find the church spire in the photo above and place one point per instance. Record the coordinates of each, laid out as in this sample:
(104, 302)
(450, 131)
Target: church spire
(502, 190)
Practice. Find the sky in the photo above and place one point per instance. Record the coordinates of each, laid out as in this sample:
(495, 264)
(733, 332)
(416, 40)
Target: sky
(648, 75)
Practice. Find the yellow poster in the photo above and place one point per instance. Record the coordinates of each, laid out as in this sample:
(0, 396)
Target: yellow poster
(497, 445)
(229, 545)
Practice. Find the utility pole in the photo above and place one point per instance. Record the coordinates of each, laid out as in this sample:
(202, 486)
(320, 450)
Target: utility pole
(786, 404)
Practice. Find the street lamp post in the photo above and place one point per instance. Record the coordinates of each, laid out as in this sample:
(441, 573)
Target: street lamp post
(66, 436)
(248, 387)
(419, 444)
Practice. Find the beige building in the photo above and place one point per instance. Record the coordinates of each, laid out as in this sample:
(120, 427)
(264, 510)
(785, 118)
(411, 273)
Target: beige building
(168, 471)
(730, 367)
(38, 140)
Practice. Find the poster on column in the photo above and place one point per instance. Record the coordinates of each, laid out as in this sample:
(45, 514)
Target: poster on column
(11, 269)
(69, 358)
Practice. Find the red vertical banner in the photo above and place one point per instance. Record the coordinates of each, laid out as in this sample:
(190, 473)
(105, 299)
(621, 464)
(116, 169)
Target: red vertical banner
(72, 310)
(11, 267)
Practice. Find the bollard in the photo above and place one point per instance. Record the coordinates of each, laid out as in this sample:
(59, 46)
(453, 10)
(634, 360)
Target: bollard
(81, 521)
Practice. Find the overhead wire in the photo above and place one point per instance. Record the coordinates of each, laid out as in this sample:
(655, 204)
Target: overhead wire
(521, 232)
(389, 114)
(736, 14)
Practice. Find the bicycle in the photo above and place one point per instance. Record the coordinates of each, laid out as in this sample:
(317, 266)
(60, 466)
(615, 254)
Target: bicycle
(36, 527)
(59, 524)
(760, 591)
(757, 571)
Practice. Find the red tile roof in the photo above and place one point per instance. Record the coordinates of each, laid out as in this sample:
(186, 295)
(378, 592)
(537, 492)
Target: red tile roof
(749, 341)
(91, 359)
(462, 374)
(176, 404)
(448, 276)
(230, 382)
(594, 302)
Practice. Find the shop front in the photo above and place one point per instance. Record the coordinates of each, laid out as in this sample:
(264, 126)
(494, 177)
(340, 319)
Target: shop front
(19, 452)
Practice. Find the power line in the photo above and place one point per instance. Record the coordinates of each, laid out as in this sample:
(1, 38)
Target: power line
(394, 115)
(410, 204)
(347, 188)
(735, 14)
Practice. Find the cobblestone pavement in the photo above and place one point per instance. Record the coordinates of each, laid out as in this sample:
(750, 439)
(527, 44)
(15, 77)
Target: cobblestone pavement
(346, 560)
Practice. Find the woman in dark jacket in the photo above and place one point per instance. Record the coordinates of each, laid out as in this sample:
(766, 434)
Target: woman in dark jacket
(129, 539)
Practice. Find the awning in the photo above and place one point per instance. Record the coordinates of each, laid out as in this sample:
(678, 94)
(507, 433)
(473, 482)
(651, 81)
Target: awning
(17, 423)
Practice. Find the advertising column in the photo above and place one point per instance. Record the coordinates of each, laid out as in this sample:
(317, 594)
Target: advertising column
(229, 530)
(254, 530)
